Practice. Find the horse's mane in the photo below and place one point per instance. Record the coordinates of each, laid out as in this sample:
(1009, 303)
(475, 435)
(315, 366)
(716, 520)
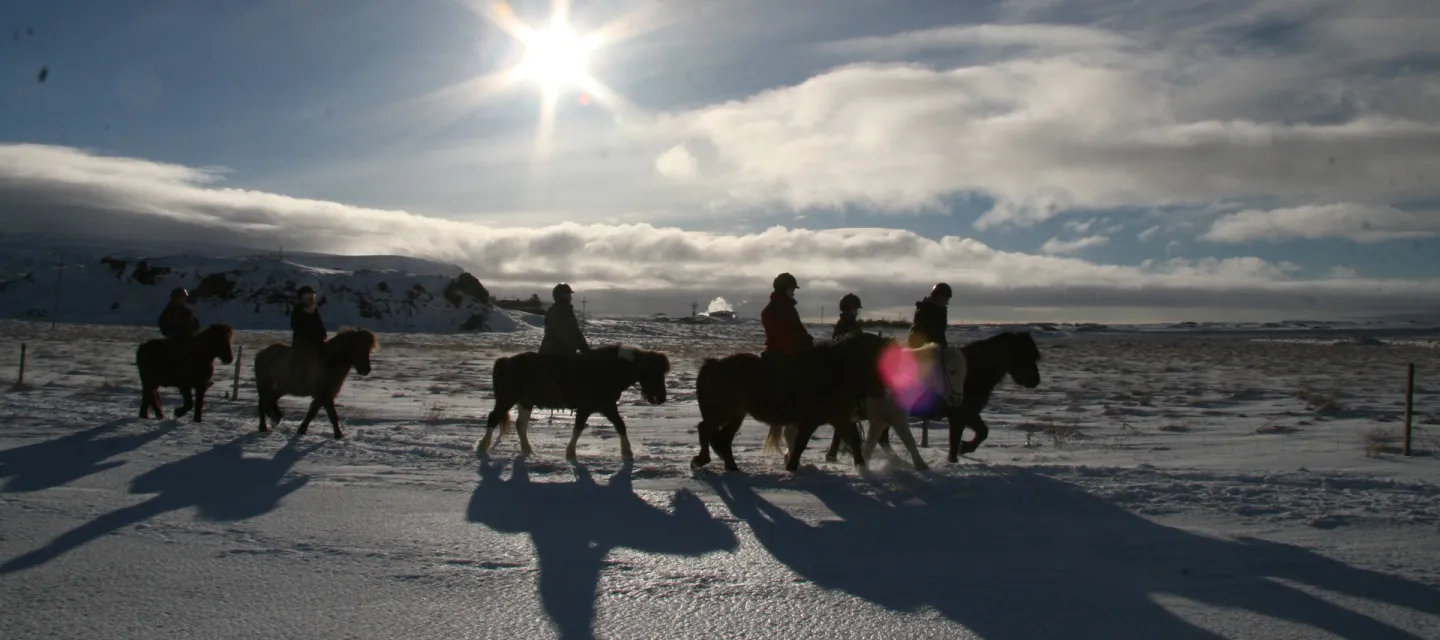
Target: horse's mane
(359, 333)
(219, 327)
(619, 349)
(1006, 340)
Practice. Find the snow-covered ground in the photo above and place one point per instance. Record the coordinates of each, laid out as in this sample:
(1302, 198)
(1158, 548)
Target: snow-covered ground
(1236, 482)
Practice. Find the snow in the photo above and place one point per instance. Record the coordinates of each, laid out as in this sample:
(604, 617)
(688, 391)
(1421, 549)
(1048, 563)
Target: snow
(1163, 482)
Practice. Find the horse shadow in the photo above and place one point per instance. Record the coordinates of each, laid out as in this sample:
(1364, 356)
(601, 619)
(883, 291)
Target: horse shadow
(221, 484)
(1078, 565)
(575, 525)
(60, 461)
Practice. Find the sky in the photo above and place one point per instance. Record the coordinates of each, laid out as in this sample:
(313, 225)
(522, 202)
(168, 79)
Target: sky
(1095, 160)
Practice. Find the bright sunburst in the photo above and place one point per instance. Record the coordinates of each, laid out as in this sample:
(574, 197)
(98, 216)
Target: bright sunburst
(556, 57)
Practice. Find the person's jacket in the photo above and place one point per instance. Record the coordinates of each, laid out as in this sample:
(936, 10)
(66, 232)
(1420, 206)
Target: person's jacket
(928, 325)
(178, 321)
(562, 331)
(785, 334)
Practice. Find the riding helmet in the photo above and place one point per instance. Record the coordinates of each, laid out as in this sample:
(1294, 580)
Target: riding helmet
(304, 290)
(941, 290)
(179, 292)
(850, 302)
(555, 293)
(785, 281)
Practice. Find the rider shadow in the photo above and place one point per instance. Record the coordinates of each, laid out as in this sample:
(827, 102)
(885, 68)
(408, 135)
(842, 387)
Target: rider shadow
(575, 525)
(221, 484)
(1090, 566)
(60, 461)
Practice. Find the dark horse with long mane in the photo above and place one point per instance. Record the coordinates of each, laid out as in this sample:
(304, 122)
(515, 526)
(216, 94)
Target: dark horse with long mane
(349, 348)
(587, 383)
(730, 388)
(987, 362)
(187, 364)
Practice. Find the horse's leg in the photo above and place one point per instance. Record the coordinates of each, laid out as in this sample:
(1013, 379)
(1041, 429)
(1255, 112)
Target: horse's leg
(581, 416)
(200, 401)
(522, 430)
(802, 438)
(613, 415)
(260, 408)
(833, 453)
(703, 458)
(189, 401)
(982, 431)
(155, 402)
(146, 391)
(309, 415)
(724, 437)
(902, 429)
(851, 431)
(334, 420)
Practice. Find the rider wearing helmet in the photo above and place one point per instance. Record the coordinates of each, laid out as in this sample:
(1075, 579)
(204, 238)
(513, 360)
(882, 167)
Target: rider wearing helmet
(787, 344)
(177, 321)
(848, 322)
(307, 332)
(930, 321)
(562, 330)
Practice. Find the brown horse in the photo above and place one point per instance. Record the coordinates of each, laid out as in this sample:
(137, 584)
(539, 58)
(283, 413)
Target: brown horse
(986, 363)
(730, 388)
(588, 383)
(349, 348)
(187, 364)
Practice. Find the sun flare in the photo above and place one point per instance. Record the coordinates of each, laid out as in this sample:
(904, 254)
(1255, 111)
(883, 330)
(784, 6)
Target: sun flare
(555, 58)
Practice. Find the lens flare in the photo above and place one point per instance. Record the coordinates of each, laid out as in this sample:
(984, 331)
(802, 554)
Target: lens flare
(910, 379)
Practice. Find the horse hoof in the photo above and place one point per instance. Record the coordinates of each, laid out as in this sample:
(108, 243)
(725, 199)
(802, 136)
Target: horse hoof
(953, 459)
(921, 466)
(697, 462)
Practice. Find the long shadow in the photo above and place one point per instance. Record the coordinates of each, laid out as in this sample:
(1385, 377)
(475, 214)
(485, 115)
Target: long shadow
(574, 525)
(221, 484)
(59, 461)
(1021, 555)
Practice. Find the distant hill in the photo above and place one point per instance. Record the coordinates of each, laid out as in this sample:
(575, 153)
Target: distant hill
(385, 293)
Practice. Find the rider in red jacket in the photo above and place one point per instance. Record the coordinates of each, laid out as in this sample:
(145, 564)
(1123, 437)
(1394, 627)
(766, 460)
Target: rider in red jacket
(784, 333)
(788, 346)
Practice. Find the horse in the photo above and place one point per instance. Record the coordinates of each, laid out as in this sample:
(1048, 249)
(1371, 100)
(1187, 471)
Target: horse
(187, 364)
(349, 348)
(981, 366)
(730, 388)
(586, 383)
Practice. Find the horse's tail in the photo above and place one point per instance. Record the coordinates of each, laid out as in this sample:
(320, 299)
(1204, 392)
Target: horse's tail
(507, 392)
(772, 441)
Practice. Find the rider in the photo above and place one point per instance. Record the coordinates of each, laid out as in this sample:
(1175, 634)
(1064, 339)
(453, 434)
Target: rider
(177, 321)
(787, 342)
(930, 321)
(562, 330)
(848, 323)
(307, 332)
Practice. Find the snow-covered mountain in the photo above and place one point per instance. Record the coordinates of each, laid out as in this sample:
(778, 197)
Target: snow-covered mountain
(248, 291)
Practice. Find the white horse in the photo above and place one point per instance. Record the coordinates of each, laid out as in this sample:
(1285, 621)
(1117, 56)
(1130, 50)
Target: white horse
(946, 382)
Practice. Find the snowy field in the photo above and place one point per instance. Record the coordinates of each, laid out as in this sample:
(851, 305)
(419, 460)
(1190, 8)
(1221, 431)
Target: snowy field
(1162, 484)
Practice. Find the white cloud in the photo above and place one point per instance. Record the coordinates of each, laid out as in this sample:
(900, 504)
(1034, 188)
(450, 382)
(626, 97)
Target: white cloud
(62, 190)
(1360, 223)
(1148, 234)
(677, 163)
(1056, 246)
(1080, 227)
(1184, 113)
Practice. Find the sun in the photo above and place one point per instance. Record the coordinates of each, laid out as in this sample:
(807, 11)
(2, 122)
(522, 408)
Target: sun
(555, 58)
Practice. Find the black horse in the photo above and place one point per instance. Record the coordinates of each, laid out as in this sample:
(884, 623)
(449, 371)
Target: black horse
(588, 383)
(987, 362)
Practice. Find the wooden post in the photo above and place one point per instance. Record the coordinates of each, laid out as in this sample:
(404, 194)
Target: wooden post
(21, 379)
(239, 355)
(925, 432)
(1409, 404)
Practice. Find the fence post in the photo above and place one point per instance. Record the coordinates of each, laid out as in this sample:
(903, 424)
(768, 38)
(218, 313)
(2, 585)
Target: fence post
(235, 391)
(1409, 404)
(21, 378)
(925, 432)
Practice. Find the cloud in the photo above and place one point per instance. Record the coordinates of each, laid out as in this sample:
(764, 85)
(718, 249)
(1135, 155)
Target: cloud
(677, 163)
(1187, 113)
(1056, 246)
(1360, 223)
(45, 189)
(1148, 234)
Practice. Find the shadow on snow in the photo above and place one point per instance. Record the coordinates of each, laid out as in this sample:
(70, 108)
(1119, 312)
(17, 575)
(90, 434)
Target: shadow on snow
(60, 461)
(221, 484)
(574, 525)
(1021, 555)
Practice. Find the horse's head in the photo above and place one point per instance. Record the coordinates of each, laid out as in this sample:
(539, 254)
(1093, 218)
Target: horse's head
(219, 342)
(1022, 358)
(650, 370)
(858, 355)
(355, 347)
